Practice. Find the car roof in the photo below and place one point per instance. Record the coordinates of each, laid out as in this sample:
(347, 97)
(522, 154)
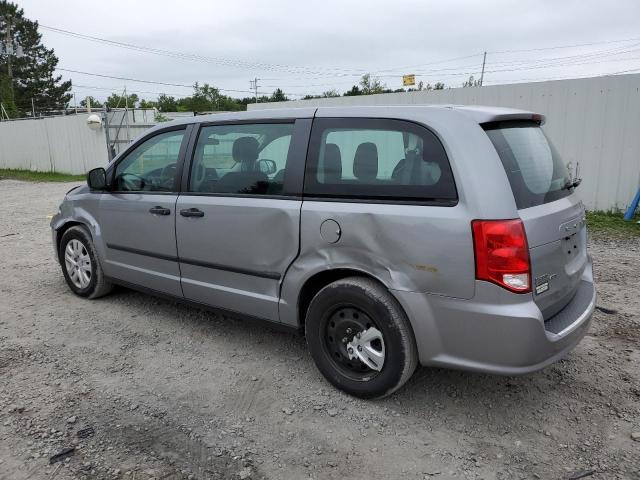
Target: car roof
(478, 113)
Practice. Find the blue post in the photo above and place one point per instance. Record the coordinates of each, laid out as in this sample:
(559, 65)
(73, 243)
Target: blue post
(632, 208)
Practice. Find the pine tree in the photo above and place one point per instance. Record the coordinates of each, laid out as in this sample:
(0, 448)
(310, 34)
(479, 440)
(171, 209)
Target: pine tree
(33, 74)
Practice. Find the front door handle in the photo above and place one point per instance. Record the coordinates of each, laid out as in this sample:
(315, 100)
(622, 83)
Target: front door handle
(158, 210)
(191, 212)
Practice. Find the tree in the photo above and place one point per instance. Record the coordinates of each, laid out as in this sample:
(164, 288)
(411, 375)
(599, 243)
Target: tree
(330, 93)
(278, 96)
(117, 100)
(371, 85)
(205, 98)
(32, 75)
(438, 86)
(353, 92)
(167, 104)
(147, 104)
(471, 83)
(94, 103)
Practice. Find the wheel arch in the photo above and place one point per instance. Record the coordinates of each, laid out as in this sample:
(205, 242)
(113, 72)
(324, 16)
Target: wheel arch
(60, 231)
(319, 280)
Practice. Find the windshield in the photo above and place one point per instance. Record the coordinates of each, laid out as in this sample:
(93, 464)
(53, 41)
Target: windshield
(536, 173)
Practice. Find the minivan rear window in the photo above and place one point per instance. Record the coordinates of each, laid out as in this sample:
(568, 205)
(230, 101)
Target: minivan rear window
(535, 170)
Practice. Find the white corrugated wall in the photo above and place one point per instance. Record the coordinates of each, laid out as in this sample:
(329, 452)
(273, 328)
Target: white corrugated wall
(60, 144)
(593, 121)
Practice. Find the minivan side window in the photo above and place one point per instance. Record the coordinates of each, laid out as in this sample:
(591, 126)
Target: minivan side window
(151, 166)
(378, 159)
(242, 159)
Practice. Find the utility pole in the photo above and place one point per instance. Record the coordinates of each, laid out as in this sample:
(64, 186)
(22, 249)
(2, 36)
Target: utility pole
(33, 108)
(8, 45)
(484, 60)
(105, 115)
(254, 85)
(126, 112)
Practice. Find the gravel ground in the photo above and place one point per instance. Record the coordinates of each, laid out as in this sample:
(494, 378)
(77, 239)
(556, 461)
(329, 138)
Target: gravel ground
(175, 392)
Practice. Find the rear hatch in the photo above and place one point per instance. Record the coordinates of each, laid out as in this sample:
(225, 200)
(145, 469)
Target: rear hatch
(554, 219)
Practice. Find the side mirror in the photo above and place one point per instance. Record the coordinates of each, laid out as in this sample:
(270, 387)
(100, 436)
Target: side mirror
(268, 167)
(97, 179)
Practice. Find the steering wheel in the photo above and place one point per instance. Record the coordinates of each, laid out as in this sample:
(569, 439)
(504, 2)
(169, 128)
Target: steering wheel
(126, 181)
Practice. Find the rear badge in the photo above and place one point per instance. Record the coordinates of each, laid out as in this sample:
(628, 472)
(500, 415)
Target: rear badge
(542, 282)
(542, 288)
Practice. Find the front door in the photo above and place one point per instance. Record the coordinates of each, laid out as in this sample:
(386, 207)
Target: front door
(137, 217)
(238, 222)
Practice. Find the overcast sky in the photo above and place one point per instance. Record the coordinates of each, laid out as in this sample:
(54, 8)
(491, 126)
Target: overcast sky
(307, 47)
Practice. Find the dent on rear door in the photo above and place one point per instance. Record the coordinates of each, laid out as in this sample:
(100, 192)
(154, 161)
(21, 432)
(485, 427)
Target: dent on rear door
(235, 256)
(407, 247)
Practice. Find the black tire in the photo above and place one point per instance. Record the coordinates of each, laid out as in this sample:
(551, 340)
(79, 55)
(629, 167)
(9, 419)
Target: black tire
(98, 286)
(379, 308)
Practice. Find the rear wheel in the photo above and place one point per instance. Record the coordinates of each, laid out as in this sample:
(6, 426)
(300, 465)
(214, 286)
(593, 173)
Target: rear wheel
(360, 338)
(80, 265)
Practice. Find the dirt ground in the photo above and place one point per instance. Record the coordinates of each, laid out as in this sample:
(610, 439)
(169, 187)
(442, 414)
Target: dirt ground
(175, 392)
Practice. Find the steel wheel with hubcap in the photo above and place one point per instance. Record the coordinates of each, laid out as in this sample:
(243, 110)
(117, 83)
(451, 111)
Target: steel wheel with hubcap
(356, 343)
(360, 338)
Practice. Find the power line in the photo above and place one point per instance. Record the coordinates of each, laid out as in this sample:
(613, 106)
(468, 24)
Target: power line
(455, 72)
(518, 65)
(545, 79)
(340, 72)
(188, 56)
(116, 89)
(568, 46)
(153, 82)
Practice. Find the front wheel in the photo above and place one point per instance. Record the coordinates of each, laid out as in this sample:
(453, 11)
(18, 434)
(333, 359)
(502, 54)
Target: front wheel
(360, 338)
(80, 264)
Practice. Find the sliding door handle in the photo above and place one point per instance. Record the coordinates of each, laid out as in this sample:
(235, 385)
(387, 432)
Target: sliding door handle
(158, 210)
(191, 212)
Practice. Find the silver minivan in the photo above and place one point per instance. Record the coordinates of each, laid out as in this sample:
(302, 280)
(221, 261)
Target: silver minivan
(445, 236)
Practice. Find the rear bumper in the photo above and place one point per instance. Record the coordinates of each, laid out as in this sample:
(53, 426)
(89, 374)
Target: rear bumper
(497, 331)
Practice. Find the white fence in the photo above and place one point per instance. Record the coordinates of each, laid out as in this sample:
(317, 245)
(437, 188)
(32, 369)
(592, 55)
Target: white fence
(60, 144)
(593, 121)
(66, 144)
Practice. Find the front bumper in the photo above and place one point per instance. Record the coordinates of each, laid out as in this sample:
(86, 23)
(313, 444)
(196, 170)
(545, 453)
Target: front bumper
(54, 224)
(496, 331)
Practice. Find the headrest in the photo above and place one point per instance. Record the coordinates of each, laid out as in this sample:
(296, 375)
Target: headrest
(332, 163)
(365, 162)
(245, 149)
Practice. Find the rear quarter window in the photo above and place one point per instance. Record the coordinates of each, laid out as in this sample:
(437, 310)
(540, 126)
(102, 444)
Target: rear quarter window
(378, 159)
(536, 172)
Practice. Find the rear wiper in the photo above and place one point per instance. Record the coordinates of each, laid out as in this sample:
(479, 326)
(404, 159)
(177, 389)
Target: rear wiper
(571, 184)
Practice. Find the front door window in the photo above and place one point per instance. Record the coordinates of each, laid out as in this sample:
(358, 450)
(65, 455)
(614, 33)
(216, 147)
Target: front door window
(151, 166)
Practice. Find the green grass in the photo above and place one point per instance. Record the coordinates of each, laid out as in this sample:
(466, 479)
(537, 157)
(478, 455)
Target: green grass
(612, 224)
(27, 175)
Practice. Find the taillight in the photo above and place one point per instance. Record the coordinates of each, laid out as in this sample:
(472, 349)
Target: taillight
(502, 254)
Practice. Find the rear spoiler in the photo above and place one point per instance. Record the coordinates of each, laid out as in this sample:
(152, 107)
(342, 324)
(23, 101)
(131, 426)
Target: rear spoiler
(494, 114)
